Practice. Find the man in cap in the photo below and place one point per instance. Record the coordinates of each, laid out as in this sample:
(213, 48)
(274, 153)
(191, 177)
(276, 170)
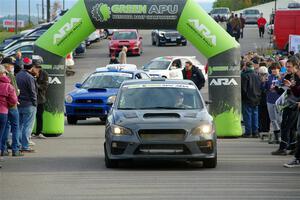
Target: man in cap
(12, 124)
(42, 86)
(28, 101)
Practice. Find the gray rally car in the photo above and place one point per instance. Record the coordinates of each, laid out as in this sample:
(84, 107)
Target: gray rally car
(159, 119)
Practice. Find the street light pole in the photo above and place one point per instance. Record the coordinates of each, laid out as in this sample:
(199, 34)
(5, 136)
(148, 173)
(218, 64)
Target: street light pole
(43, 11)
(16, 16)
(275, 5)
(29, 13)
(48, 10)
(38, 12)
(63, 4)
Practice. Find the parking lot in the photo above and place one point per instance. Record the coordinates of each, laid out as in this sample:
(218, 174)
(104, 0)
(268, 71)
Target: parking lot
(72, 166)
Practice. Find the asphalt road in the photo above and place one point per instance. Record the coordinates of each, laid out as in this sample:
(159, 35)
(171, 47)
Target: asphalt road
(72, 166)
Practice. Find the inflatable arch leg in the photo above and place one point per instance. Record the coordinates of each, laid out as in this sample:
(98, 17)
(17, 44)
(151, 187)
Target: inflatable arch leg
(222, 51)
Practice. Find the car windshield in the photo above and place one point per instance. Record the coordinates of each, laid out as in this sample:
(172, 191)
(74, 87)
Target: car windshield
(251, 12)
(124, 35)
(159, 96)
(219, 11)
(106, 80)
(157, 65)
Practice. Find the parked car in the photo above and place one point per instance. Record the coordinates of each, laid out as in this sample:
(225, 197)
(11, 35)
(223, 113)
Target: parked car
(164, 37)
(107, 33)
(26, 47)
(94, 97)
(93, 38)
(251, 16)
(221, 11)
(286, 23)
(159, 119)
(129, 38)
(81, 49)
(171, 67)
(27, 35)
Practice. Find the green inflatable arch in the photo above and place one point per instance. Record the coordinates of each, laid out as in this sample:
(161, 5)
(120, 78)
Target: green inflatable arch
(222, 51)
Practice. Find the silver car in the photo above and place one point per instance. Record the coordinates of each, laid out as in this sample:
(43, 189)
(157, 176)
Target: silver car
(251, 16)
(160, 119)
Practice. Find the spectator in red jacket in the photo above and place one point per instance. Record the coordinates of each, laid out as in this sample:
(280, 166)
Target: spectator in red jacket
(8, 98)
(261, 22)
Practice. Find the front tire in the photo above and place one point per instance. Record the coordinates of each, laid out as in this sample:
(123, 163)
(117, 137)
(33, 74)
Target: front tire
(109, 163)
(72, 120)
(210, 163)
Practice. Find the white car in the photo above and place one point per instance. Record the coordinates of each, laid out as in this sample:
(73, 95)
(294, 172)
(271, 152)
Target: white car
(130, 67)
(171, 67)
(94, 37)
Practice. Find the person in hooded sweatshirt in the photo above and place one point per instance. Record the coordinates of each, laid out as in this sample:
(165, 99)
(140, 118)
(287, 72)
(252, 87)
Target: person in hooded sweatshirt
(8, 98)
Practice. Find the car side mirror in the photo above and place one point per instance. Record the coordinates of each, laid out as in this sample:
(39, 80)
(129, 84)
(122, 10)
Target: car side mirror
(78, 85)
(208, 102)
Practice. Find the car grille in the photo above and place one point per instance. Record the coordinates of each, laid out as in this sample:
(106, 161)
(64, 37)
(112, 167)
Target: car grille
(89, 101)
(172, 35)
(121, 46)
(88, 111)
(162, 135)
(162, 149)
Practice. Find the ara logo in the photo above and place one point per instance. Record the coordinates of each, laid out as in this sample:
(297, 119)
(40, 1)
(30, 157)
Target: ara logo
(223, 81)
(54, 81)
(204, 31)
(66, 30)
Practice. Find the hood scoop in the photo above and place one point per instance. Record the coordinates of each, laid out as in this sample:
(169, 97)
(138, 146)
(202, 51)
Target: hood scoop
(124, 41)
(130, 115)
(190, 115)
(161, 115)
(97, 90)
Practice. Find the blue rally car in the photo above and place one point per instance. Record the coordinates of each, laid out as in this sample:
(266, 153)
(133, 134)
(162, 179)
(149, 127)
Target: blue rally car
(95, 96)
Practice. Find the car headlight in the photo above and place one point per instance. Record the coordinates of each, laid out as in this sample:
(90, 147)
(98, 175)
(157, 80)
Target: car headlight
(111, 100)
(120, 131)
(161, 34)
(69, 99)
(204, 129)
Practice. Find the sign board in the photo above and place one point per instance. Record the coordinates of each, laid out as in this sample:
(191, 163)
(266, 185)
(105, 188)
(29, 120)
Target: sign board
(8, 23)
(294, 43)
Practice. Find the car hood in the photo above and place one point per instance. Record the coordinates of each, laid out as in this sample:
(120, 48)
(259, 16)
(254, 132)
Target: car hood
(163, 119)
(84, 93)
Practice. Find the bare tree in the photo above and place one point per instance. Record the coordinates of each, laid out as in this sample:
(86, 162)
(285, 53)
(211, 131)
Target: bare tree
(56, 7)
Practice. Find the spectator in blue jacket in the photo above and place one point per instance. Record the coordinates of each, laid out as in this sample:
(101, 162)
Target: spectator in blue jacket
(28, 101)
(274, 81)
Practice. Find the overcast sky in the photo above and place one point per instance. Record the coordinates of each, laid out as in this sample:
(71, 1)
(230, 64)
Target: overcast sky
(8, 6)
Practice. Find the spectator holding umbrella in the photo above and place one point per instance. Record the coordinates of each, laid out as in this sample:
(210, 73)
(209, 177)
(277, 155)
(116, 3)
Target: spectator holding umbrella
(8, 98)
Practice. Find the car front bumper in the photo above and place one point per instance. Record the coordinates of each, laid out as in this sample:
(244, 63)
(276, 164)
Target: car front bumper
(87, 111)
(167, 40)
(193, 148)
(130, 50)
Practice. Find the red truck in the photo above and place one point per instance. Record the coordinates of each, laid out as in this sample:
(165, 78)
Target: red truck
(287, 22)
